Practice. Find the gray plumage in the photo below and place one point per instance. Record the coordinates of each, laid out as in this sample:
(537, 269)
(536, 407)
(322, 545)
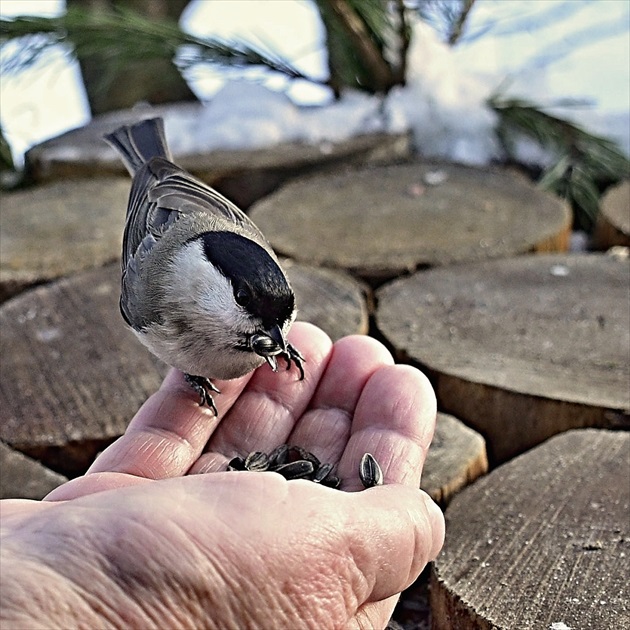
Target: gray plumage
(200, 283)
(164, 197)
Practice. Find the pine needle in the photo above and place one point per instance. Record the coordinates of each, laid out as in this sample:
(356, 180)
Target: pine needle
(125, 35)
(583, 163)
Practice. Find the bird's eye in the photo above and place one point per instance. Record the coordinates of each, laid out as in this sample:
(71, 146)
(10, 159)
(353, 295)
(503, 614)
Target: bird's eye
(242, 296)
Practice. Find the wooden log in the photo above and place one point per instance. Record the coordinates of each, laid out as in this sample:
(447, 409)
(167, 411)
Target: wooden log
(243, 176)
(541, 542)
(379, 222)
(519, 349)
(23, 477)
(331, 299)
(613, 222)
(55, 230)
(74, 375)
(456, 457)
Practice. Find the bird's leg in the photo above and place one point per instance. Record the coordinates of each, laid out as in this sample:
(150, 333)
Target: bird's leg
(203, 386)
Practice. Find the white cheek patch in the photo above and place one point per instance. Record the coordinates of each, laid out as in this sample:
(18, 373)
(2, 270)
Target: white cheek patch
(207, 295)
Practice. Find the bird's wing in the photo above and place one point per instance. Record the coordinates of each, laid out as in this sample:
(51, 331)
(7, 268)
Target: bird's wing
(161, 193)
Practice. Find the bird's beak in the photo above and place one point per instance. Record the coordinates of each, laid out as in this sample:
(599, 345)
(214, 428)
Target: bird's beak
(269, 344)
(276, 334)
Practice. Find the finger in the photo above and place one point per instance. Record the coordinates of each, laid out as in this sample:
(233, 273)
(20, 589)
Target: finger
(90, 484)
(394, 420)
(324, 428)
(376, 614)
(169, 432)
(271, 404)
(405, 529)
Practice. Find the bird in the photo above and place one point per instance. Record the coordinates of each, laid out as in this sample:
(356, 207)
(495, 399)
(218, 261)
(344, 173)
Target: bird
(201, 287)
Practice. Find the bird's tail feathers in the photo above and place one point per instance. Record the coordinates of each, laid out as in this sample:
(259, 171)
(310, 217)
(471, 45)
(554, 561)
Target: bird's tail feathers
(140, 142)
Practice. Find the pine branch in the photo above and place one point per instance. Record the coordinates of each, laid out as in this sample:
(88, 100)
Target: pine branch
(457, 27)
(126, 35)
(360, 39)
(367, 42)
(583, 164)
(404, 39)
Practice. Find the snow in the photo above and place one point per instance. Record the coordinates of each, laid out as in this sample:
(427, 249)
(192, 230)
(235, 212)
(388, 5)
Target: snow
(513, 47)
(445, 107)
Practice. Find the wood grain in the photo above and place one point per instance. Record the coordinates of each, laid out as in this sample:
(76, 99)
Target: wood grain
(379, 222)
(519, 349)
(58, 229)
(73, 374)
(543, 539)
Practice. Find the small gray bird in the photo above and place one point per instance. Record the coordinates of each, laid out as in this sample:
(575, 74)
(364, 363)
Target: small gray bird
(201, 286)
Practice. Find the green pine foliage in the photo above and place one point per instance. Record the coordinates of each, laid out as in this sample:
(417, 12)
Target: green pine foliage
(584, 164)
(125, 35)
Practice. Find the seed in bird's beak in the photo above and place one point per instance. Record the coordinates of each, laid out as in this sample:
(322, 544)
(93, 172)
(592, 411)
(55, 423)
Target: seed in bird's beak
(269, 343)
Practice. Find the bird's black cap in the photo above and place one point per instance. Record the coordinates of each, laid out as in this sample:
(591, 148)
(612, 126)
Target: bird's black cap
(260, 285)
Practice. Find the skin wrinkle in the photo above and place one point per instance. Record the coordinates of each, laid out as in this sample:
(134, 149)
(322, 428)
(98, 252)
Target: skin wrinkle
(325, 429)
(165, 444)
(81, 564)
(14, 598)
(395, 453)
(138, 584)
(335, 569)
(235, 590)
(257, 406)
(191, 426)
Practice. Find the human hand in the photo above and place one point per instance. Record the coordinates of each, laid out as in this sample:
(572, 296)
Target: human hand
(134, 543)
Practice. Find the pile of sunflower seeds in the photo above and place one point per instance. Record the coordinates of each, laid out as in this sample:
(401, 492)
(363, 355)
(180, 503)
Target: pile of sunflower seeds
(294, 462)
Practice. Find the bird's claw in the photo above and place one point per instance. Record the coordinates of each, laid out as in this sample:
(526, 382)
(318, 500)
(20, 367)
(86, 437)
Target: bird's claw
(291, 355)
(204, 386)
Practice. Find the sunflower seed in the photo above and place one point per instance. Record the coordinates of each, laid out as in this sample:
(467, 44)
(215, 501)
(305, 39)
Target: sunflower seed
(332, 481)
(257, 461)
(302, 453)
(295, 462)
(296, 470)
(279, 456)
(322, 472)
(370, 472)
(236, 463)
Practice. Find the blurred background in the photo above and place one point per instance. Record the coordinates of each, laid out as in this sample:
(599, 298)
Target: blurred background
(543, 84)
